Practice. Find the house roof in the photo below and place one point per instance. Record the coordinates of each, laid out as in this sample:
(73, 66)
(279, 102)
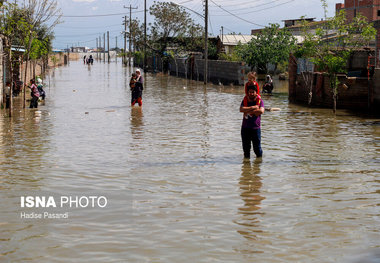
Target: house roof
(233, 40)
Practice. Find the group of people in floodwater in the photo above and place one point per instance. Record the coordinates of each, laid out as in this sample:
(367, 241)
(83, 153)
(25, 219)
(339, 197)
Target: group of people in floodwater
(88, 60)
(37, 92)
(252, 107)
(136, 86)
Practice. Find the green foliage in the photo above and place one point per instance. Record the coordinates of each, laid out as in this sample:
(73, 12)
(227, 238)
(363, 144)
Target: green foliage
(135, 32)
(230, 57)
(212, 50)
(19, 30)
(273, 45)
(173, 26)
(14, 25)
(282, 67)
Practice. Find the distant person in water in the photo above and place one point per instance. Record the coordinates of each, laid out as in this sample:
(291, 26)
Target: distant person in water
(34, 94)
(7, 94)
(40, 88)
(252, 106)
(137, 89)
(268, 86)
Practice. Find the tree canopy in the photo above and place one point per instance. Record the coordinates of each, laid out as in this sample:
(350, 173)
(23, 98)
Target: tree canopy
(272, 45)
(173, 24)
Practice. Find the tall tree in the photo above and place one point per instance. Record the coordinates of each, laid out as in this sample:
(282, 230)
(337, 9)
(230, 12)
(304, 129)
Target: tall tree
(172, 23)
(15, 28)
(272, 45)
(38, 13)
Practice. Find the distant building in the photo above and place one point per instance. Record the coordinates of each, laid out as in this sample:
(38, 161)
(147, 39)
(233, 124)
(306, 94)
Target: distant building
(297, 22)
(79, 49)
(367, 8)
(229, 42)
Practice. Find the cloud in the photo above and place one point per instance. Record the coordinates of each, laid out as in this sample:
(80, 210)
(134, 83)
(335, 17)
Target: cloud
(114, 0)
(95, 8)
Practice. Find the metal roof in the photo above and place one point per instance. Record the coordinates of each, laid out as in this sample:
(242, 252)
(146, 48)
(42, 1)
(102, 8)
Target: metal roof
(233, 40)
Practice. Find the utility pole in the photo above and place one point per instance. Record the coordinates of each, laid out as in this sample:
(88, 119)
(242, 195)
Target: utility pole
(206, 40)
(125, 38)
(100, 46)
(130, 32)
(144, 66)
(222, 34)
(116, 49)
(97, 47)
(108, 46)
(104, 47)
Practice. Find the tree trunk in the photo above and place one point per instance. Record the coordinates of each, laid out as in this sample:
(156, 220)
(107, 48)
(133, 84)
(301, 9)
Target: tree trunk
(334, 87)
(26, 66)
(11, 80)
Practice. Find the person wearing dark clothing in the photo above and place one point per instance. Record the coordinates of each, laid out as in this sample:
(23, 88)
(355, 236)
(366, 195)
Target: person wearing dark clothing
(7, 94)
(35, 94)
(40, 88)
(252, 106)
(268, 86)
(138, 88)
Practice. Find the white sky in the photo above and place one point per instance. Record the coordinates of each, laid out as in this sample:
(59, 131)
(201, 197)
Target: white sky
(238, 16)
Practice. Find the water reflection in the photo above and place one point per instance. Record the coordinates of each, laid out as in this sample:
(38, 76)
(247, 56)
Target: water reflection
(314, 193)
(137, 123)
(250, 184)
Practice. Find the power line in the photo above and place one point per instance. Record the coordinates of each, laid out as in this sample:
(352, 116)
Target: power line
(239, 4)
(118, 14)
(255, 6)
(59, 27)
(262, 8)
(237, 15)
(84, 35)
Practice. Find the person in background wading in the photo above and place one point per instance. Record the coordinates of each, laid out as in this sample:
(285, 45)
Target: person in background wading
(137, 90)
(34, 93)
(7, 94)
(40, 88)
(252, 106)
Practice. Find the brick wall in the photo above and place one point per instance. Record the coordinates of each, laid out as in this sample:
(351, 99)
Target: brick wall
(1, 72)
(353, 93)
(375, 100)
(368, 8)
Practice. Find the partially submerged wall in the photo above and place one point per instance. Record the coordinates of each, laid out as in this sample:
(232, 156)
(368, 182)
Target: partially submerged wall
(356, 93)
(219, 71)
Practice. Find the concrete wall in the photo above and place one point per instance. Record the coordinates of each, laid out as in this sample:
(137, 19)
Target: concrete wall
(219, 72)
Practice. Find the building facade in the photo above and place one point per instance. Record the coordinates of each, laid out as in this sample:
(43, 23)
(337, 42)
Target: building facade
(367, 8)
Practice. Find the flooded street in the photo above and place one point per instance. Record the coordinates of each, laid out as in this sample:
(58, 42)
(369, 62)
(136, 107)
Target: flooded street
(173, 172)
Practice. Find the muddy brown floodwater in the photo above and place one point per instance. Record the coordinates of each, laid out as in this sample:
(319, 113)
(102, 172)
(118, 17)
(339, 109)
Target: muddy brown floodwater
(173, 173)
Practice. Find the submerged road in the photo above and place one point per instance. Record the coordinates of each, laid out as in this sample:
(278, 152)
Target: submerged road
(173, 174)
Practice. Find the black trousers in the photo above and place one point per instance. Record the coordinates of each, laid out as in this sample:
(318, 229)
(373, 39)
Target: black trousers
(253, 136)
(34, 102)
